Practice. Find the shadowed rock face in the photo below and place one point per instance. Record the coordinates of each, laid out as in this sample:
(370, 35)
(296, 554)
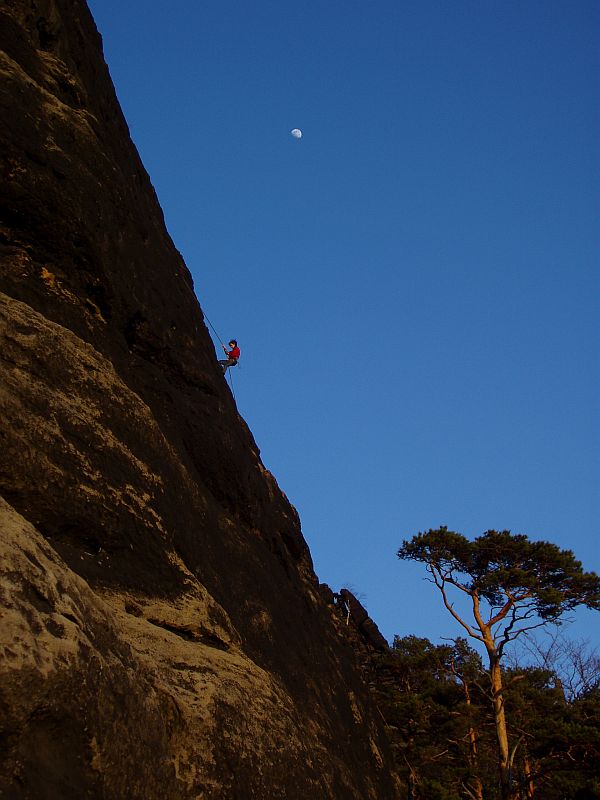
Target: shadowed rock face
(162, 631)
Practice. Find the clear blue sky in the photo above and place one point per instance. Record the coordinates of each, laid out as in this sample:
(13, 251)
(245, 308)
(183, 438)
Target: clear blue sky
(415, 283)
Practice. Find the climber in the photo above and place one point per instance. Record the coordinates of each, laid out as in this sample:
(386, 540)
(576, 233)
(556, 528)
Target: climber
(232, 356)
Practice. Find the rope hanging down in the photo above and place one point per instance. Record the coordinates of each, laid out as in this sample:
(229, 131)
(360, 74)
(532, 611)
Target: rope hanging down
(231, 384)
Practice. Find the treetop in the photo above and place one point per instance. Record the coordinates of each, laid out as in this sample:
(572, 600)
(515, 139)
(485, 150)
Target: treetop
(499, 564)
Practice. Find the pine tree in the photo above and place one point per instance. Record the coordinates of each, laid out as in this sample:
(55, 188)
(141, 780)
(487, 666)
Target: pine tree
(512, 586)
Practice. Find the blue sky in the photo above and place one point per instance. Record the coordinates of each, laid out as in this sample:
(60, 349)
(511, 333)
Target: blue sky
(414, 284)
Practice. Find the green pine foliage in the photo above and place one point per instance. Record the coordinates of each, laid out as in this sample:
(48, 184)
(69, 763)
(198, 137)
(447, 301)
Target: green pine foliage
(435, 701)
(539, 574)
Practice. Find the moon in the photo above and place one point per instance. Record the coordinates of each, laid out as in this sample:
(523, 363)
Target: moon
(296, 133)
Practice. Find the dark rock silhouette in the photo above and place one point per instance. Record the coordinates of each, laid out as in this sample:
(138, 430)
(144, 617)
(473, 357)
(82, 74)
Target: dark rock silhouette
(163, 634)
(358, 615)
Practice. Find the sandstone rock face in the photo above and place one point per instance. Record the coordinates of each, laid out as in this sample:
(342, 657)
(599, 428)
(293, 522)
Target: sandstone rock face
(162, 634)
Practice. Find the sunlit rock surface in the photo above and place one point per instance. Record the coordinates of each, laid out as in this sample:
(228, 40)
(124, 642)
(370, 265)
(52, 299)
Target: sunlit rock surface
(163, 634)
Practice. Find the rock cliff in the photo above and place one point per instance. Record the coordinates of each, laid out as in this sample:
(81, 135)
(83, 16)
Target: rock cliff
(163, 634)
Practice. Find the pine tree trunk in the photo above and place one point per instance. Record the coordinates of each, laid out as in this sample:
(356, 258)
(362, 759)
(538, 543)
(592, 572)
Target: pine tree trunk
(504, 764)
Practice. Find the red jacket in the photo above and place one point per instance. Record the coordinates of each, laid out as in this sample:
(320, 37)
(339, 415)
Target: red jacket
(234, 353)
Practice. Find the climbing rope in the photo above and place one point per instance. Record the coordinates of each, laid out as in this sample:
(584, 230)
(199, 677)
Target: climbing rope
(223, 345)
(215, 332)
(231, 384)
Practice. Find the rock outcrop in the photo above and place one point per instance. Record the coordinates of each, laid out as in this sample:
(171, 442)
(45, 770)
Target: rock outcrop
(163, 634)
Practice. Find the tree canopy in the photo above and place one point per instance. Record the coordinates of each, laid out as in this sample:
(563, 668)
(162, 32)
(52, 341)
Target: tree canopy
(518, 578)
